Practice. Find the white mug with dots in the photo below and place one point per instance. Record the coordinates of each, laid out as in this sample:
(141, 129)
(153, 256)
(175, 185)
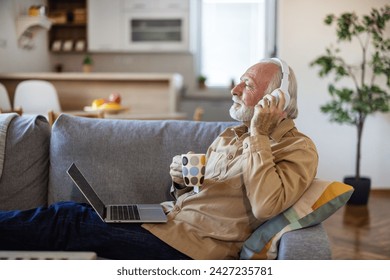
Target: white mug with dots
(194, 167)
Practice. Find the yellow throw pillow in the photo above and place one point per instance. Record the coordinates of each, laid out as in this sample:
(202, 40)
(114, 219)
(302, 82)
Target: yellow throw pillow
(319, 201)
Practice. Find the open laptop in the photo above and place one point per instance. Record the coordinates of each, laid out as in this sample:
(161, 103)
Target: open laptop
(130, 213)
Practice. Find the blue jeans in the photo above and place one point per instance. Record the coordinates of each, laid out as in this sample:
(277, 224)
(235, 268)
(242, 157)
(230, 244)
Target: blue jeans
(69, 226)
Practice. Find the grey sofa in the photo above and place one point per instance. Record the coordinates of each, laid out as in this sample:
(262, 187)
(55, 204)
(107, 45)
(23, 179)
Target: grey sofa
(125, 161)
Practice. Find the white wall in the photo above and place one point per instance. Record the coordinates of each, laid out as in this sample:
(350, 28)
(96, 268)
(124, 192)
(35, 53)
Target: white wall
(302, 37)
(12, 57)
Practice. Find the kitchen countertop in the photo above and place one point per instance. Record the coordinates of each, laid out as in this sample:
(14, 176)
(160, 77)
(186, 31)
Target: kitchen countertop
(92, 76)
(142, 92)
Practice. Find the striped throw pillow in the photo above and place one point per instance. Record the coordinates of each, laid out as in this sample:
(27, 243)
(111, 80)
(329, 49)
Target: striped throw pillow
(319, 201)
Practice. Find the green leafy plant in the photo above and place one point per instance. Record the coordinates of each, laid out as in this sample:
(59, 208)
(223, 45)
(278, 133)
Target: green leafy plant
(202, 79)
(351, 105)
(87, 60)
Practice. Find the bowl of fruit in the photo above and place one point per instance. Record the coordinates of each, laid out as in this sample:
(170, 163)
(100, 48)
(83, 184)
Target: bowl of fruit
(110, 105)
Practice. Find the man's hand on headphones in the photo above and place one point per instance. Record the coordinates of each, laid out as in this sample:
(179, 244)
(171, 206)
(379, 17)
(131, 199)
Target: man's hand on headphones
(268, 114)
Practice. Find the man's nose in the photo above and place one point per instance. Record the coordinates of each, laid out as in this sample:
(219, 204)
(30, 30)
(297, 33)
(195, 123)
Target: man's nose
(237, 89)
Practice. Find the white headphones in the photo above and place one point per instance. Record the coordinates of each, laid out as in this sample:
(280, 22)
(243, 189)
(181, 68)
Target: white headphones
(284, 84)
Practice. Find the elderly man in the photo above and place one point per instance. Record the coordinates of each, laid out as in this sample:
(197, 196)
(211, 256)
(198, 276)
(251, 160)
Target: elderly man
(254, 171)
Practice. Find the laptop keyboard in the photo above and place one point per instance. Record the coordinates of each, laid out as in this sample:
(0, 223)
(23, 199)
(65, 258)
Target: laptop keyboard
(124, 212)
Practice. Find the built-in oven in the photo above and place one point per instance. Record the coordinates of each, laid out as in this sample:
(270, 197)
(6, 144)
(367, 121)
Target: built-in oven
(157, 25)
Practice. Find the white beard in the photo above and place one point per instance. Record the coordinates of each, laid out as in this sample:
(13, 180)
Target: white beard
(240, 112)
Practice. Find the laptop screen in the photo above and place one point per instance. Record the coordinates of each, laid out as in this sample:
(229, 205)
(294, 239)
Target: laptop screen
(92, 197)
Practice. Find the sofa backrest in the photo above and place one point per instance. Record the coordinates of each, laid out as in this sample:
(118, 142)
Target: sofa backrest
(25, 169)
(124, 160)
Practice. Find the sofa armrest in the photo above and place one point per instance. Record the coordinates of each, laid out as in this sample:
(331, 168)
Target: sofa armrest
(24, 179)
(310, 243)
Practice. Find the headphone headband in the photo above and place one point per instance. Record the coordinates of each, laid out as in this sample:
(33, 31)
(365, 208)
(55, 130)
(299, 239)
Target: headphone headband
(283, 65)
(285, 81)
(285, 72)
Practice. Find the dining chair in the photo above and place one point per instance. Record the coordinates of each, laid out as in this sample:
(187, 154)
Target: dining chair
(52, 116)
(5, 103)
(36, 97)
(198, 114)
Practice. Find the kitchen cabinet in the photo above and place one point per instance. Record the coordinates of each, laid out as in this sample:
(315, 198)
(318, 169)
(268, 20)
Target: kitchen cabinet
(142, 26)
(105, 28)
(68, 32)
(142, 5)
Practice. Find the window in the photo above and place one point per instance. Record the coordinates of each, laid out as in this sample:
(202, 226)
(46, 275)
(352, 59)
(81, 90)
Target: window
(233, 37)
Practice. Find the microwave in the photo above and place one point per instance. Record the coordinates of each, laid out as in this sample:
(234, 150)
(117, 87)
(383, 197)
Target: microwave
(160, 25)
(142, 26)
(165, 32)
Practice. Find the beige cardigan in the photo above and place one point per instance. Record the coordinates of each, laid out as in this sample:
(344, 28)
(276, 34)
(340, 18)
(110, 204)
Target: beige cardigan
(248, 180)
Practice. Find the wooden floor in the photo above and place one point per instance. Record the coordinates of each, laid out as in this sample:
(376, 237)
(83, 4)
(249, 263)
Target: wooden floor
(361, 232)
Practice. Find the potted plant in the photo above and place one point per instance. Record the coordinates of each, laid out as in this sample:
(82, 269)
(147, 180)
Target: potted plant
(202, 81)
(87, 63)
(365, 95)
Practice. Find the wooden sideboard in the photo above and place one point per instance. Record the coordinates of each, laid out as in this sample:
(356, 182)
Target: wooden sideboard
(143, 93)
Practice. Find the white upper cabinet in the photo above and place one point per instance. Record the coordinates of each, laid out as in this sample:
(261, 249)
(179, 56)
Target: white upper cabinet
(141, 26)
(142, 5)
(105, 28)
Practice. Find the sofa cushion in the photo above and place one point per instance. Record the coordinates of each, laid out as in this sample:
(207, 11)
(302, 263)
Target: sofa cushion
(24, 179)
(319, 201)
(125, 161)
(309, 243)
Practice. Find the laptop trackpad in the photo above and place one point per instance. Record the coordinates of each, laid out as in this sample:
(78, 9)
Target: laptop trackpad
(151, 212)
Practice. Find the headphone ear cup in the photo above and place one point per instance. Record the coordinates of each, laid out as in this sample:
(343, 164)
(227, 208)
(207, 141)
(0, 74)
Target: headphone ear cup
(286, 96)
(276, 93)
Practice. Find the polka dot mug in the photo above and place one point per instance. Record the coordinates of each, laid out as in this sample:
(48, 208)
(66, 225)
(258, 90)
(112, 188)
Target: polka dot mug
(194, 167)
